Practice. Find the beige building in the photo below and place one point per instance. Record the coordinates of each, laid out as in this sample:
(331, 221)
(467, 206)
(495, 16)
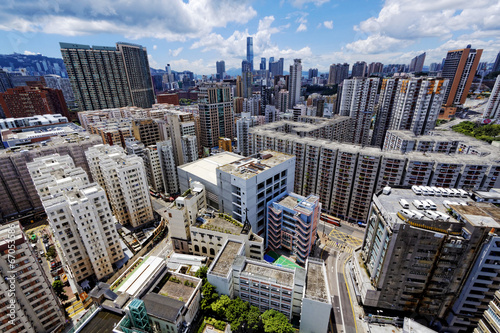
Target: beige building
(79, 216)
(125, 181)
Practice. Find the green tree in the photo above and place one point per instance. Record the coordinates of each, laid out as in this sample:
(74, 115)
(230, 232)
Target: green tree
(219, 306)
(51, 252)
(276, 322)
(202, 273)
(237, 309)
(209, 296)
(253, 319)
(59, 290)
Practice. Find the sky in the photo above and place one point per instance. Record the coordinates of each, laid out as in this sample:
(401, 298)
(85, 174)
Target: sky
(194, 34)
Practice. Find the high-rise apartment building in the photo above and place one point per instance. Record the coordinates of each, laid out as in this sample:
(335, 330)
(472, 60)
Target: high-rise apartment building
(434, 260)
(168, 165)
(243, 133)
(375, 68)
(108, 77)
(29, 101)
(249, 184)
(338, 73)
(125, 181)
(313, 72)
(181, 129)
(152, 165)
(5, 81)
(28, 301)
(408, 104)
(17, 193)
(459, 68)
(292, 223)
(417, 63)
(493, 107)
(60, 83)
(146, 131)
(79, 216)
(345, 176)
(295, 82)
(216, 113)
(276, 67)
(359, 69)
(283, 100)
(250, 52)
(221, 69)
(247, 84)
(490, 323)
(358, 102)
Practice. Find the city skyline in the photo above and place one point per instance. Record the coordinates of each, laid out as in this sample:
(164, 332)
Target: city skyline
(193, 36)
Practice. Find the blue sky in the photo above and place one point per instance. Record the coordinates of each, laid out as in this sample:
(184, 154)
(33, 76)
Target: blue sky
(193, 35)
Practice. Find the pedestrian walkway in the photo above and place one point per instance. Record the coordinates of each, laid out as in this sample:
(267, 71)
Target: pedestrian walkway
(75, 308)
(339, 246)
(345, 238)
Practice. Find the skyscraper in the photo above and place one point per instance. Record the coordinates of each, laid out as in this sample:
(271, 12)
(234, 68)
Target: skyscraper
(338, 73)
(247, 84)
(460, 67)
(243, 133)
(250, 52)
(216, 113)
(375, 68)
(276, 67)
(358, 102)
(221, 69)
(262, 64)
(313, 72)
(417, 63)
(168, 166)
(295, 82)
(107, 77)
(359, 69)
(6, 83)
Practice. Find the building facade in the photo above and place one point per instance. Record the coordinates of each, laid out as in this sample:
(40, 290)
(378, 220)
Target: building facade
(295, 82)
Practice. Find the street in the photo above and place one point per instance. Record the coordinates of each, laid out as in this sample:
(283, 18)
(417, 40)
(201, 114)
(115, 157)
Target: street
(338, 244)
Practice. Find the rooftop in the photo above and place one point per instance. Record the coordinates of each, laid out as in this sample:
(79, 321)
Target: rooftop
(480, 214)
(162, 307)
(205, 168)
(226, 258)
(220, 224)
(289, 201)
(315, 282)
(179, 287)
(266, 271)
(250, 166)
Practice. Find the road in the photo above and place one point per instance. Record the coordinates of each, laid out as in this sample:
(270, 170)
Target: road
(340, 242)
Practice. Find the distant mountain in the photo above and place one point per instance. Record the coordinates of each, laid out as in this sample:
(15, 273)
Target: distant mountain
(35, 64)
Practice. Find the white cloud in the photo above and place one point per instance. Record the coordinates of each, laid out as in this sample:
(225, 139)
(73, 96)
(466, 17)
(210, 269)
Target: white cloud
(197, 66)
(155, 47)
(175, 53)
(406, 20)
(301, 3)
(29, 53)
(328, 24)
(173, 20)
(152, 63)
(377, 44)
(302, 27)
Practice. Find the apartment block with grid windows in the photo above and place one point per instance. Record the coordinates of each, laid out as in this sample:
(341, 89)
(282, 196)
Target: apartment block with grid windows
(35, 305)
(125, 181)
(79, 216)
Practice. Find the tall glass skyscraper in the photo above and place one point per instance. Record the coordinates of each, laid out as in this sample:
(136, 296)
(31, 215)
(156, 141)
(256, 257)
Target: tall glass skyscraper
(250, 51)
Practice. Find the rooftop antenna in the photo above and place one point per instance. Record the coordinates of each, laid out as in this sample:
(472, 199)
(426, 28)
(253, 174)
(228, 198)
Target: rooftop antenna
(246, 225)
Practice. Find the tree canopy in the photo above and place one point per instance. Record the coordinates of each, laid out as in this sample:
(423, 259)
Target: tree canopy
(488, 133)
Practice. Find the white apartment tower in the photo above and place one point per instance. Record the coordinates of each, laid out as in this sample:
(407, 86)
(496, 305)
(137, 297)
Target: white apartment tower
(153, 168)
(35, 306)
(282, 100)
(79, 215)
(295, 81)
(408, 104)
(180, 125)
(243, 133)
(125, 180)
(493, 106)
(168, 166)
(189, 147)
(358, 102)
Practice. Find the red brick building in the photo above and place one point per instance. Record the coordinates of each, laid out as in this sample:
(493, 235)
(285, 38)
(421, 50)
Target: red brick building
(29, 101)
(168, 98)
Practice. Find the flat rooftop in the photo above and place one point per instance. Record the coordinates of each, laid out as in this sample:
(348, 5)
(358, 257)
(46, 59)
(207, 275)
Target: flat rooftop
(316, 283)
(103, 322)
(226, 258)
(220, 224)
(141, 276)
(391, 206)
(480, 214)
(176, 286)
(289, 202)
(205, 168)
(248, 167)
(269, 272)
